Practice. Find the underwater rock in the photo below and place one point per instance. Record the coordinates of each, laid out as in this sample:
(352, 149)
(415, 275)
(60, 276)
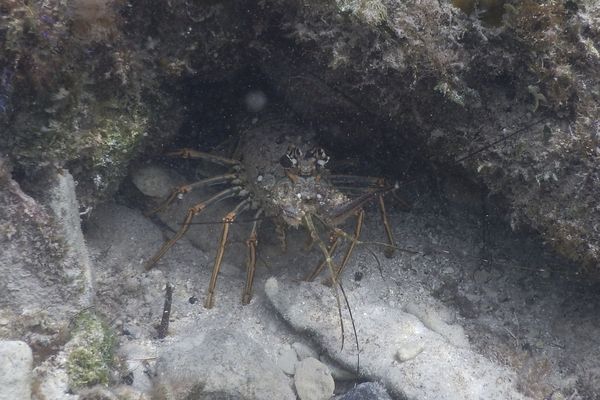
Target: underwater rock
(313, 380)
(450, 81)
(153, 181)
(287, 361)
(45, 266)
(396, 81)
(439, 371)
(16, 362)
(366, 391)
(220, 361)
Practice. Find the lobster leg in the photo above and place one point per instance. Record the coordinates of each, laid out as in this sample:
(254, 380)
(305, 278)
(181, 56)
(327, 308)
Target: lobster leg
(357, 229)
(378, 193)
(281, 234)
(315, 235)
(191, 153)
(332, 246)
(192, 212)
(227, 221)
(251, 243)
(389, 251)
(188, 188)
(357, 181)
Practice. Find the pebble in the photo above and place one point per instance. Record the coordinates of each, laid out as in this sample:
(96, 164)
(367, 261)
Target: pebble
(16, 361)
(409, 350)
(287, 361)
(313, 380)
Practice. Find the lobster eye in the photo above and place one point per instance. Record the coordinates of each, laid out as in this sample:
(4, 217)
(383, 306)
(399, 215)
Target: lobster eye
(321, 158)
(290, 158)
(297, 153)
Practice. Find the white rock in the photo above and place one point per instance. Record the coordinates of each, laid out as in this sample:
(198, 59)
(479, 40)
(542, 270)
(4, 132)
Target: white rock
(287, 361)
(64, 204)
(409, 350)
(434, 320)
(16, 362)
(45, 268)
(153, 181)
(272, 286)
(441, 371)
(313, 380)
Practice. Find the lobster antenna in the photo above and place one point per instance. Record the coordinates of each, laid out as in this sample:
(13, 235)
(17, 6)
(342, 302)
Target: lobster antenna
(241, 221)
(310, 226)
(353, 327)
(499, 140)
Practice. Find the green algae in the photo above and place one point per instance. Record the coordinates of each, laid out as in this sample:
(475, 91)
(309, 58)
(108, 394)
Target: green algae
(90, 360)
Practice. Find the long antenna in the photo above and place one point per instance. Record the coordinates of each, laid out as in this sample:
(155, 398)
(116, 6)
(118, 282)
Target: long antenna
(353, 328)
(499, 140)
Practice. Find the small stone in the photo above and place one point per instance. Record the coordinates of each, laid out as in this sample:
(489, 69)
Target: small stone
(313, 380)
(287, 361)
(16, 361)
(271, 286)
(408, 351)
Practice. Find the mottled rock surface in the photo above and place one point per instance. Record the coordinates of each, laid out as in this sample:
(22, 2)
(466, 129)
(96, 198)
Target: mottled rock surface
(439, 371)
(219, 361)
(448, 100)
(366, 391)
(16, 362)
(45, 268)
(425, 79)
(313, 380)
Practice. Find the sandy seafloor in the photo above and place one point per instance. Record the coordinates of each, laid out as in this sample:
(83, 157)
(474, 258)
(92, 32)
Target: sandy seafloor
(520, 306)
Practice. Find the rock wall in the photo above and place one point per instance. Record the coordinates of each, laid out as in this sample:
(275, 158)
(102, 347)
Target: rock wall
(506, 95)
(511, 101)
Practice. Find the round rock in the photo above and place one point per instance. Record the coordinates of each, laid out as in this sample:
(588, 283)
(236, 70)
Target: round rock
(153, 181)
(313, 380)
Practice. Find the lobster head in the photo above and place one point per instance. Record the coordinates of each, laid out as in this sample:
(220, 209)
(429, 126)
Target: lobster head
(304, 164)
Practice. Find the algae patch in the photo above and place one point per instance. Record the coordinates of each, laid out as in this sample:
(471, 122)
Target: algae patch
(91, 357)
